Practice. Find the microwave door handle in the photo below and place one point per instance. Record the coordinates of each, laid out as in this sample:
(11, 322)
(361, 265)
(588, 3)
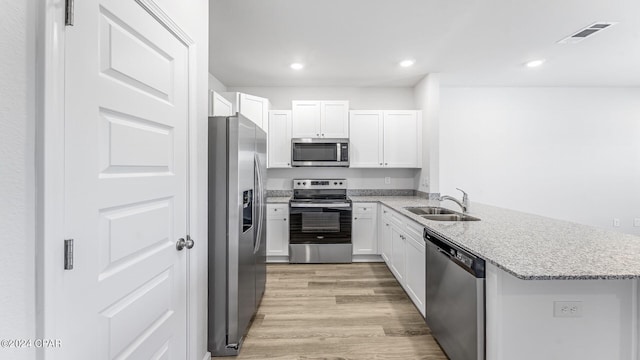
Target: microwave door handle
(339, 151)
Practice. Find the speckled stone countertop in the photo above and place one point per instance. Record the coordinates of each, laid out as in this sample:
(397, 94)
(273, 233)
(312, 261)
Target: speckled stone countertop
(528, 246)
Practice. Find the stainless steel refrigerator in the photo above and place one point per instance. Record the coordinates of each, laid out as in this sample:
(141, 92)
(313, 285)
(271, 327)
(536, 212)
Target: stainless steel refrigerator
(237, 229)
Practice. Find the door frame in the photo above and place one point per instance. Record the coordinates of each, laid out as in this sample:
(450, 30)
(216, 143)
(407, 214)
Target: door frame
(49, 160)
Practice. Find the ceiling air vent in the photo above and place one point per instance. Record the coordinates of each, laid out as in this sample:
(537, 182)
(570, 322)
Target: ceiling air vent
(586, 32)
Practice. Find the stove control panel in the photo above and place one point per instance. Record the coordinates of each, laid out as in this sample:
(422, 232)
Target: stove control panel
(319, 184)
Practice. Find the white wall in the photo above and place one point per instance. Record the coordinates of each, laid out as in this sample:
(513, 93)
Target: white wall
(427, 98)
(17, 177)
(360, 98)
(567, 153)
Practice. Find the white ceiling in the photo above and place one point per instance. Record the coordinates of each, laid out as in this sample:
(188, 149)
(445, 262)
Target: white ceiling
(470, 42)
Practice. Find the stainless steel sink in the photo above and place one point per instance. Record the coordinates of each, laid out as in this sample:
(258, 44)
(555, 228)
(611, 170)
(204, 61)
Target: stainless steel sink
(450, 217)
(440, 214)
(429, 210)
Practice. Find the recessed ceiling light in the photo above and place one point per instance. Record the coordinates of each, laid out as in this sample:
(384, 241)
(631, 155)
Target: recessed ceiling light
(406, 63)
(535, 63)
(297, 66)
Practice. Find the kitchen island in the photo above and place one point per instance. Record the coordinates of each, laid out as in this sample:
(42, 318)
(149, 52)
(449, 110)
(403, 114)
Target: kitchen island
(536, 265)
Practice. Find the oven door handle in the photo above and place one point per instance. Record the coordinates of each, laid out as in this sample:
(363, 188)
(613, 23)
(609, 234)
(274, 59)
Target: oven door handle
(328, 206)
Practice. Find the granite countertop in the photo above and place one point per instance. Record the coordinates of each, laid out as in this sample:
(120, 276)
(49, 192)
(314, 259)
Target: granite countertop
(531, 247)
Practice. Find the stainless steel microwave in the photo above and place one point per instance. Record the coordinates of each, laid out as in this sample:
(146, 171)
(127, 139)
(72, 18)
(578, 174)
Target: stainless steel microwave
(320, 152)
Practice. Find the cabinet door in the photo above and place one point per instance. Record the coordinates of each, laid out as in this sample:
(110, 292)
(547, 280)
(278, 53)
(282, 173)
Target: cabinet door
(397, 253)
(305, 119)
(334, 119)
(385, 238)
(279, 135)
(255, 109)
(364, 234)
(220, 106)
(402, 139)
(277, 230)
(386, 241)
(365, 139)
(416, 270)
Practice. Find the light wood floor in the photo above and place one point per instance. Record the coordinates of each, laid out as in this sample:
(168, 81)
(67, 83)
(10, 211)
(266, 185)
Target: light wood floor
(328, 311)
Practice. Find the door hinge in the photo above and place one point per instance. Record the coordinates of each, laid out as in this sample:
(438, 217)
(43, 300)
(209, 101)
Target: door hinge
(68, 254)
(68, 13)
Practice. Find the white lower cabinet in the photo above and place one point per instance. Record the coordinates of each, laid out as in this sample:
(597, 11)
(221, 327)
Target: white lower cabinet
(363, 231)
(398, 253)
(415, 275)
(385, 236)
(403, 249)
(277, 230)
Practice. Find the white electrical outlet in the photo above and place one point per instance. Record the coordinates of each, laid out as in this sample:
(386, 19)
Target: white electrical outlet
(616, 222)
(567, 308)
(387, 180)
(636, 222)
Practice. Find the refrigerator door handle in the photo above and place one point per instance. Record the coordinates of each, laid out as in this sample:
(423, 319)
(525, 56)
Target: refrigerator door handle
(260, 191)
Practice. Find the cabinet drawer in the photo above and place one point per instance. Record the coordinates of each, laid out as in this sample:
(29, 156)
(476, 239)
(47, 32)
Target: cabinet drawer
(392, 216)
(363, 216)
(417, 241)
(413, 228)
(277, 211)
(364, 208)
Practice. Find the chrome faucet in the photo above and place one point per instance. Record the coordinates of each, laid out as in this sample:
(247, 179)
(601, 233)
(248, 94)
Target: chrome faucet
(464, 204)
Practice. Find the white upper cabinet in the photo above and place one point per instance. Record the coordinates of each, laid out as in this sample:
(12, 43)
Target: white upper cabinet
(385, 139)
(402, 139)
(218, 105)
(318, 119)
(252, 107)
(255, 109)
(306, 119)
(279, 148)
(366, 139)
(334, 119)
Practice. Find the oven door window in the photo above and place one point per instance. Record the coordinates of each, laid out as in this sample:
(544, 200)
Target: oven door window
(315, 152)
(320, 222)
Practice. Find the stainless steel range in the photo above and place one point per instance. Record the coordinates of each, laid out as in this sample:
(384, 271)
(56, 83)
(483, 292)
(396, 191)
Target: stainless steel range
(320, 222)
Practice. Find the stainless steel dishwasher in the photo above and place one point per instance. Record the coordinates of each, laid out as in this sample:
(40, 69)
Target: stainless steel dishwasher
(455, 299)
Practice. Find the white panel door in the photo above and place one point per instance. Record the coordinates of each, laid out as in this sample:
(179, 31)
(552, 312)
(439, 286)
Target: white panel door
(365, 139)
(220, 105)
(126, 101)
(306, 119)
(334, 119)
(279, 153)
(255, 109)
(402, 137)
